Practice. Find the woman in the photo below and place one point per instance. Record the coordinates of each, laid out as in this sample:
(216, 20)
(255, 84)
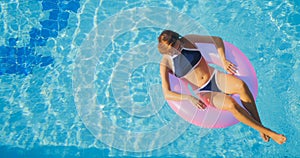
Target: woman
(184, 60)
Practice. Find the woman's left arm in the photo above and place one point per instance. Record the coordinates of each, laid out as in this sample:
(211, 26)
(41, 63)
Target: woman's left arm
(218, 42)
(228, 66)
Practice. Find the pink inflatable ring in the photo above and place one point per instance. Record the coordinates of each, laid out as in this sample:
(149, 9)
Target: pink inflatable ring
(212, 117)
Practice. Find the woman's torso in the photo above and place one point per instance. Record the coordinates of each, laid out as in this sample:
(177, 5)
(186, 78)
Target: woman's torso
(200, 74)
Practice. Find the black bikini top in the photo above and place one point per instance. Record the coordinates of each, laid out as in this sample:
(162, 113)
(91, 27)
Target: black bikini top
(186, 61)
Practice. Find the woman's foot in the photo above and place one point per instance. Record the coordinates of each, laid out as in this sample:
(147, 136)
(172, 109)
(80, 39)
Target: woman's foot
(265, 137)
(278, 138)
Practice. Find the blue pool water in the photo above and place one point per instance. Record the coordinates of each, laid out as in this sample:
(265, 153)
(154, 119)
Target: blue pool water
(80, 78)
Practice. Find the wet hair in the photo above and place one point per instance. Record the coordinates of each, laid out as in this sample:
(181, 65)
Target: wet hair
(169, 37)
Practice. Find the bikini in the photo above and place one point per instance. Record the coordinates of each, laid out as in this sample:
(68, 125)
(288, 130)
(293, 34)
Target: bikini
(186, 62)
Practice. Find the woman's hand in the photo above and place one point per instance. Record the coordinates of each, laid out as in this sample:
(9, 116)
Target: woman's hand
(197, 102)
(229, 67)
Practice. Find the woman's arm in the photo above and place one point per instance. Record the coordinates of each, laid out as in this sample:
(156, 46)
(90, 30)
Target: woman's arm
(218, 42)
(170, 95)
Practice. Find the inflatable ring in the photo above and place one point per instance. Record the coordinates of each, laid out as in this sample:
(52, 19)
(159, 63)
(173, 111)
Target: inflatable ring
(212, 117)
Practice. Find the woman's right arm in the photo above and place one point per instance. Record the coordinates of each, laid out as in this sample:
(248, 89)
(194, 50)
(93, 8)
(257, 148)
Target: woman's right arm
(170, 95)
(164, 73)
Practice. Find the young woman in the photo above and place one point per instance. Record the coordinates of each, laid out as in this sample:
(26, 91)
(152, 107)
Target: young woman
(184, 60)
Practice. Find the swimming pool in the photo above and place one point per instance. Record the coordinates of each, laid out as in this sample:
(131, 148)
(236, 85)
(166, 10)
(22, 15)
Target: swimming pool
(80, 78)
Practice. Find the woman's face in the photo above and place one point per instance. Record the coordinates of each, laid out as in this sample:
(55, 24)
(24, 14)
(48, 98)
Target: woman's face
(170, 48)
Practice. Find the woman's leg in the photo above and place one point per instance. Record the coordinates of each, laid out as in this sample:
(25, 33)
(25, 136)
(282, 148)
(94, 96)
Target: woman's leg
(225, 102)
(233, 85)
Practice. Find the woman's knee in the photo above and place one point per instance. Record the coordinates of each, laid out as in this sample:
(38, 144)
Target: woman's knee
(241, 87)
(231, 104)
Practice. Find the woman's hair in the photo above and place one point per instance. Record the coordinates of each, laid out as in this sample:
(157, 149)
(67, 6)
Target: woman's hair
(169, 37)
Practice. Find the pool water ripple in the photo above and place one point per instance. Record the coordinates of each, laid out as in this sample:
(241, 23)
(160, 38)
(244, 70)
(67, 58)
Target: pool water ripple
(38, 50)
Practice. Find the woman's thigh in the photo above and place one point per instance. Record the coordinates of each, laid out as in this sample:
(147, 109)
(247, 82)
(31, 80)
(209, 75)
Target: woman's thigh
(219, 100)
(229, 83)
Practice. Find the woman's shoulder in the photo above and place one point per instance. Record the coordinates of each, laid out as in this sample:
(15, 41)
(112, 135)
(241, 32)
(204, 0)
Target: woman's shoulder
(165, 61)
(190, 40)
(166, 64)
(193, 38)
